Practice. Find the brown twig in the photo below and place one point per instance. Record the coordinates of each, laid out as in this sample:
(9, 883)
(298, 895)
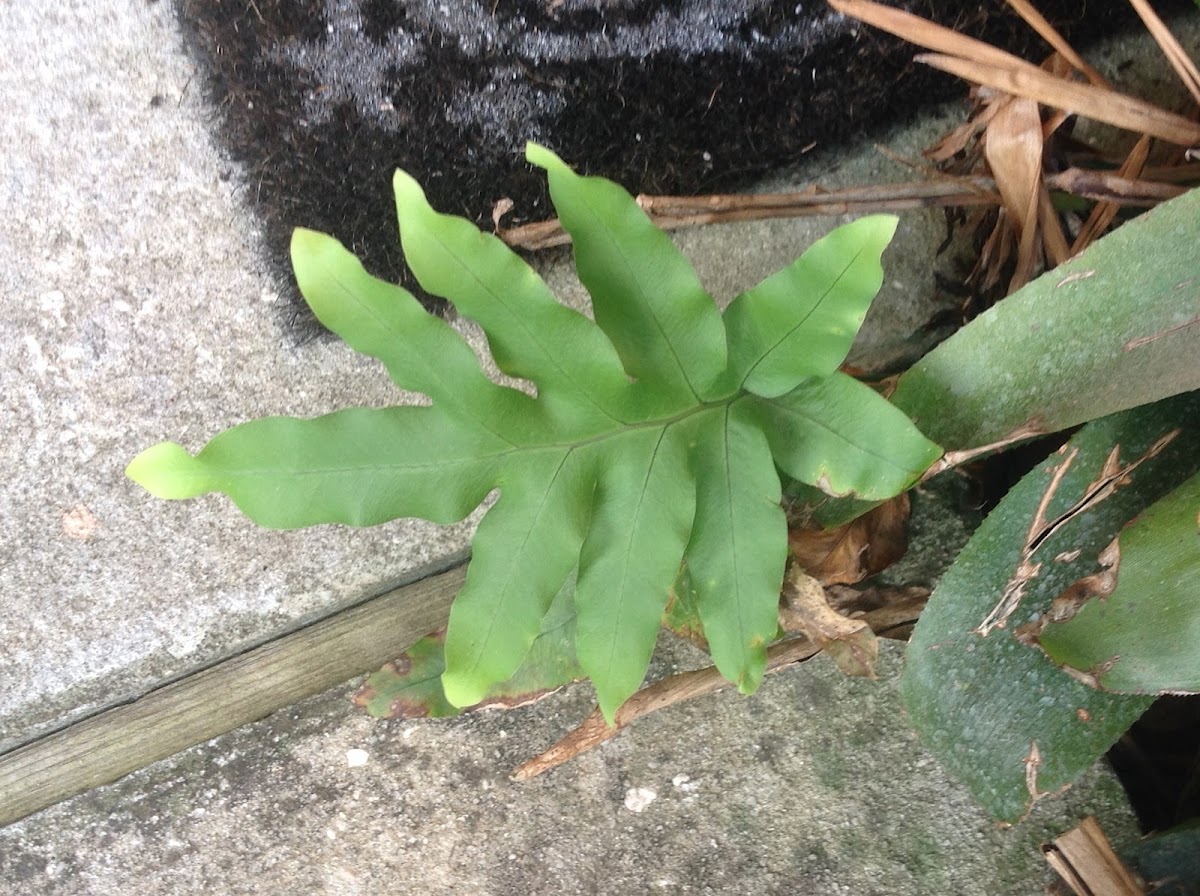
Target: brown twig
(673, 212)
(892, 610)
(1103, 213)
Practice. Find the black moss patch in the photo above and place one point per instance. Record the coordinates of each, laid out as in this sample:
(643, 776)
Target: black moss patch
(323, 99)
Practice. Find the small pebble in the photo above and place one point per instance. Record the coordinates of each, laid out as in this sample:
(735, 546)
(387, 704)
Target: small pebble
(638, 798)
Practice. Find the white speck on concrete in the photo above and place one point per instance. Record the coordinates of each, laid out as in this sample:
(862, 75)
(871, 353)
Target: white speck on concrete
(638, 799)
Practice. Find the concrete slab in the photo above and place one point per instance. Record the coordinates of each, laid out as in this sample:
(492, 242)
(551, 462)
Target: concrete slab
(139, 309)
(814, 785)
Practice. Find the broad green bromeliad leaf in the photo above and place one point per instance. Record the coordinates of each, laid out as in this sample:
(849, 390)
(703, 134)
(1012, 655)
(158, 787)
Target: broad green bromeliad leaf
(1115, 327)
(996, 712)
(654, 437)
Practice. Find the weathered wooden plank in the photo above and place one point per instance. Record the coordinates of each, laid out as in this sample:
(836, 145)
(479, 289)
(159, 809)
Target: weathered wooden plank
(104, 747)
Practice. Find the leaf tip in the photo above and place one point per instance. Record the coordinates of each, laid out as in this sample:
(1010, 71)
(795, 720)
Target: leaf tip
(749, 681)
(165, 470)
(825, 484)
(753, 668)
(885, 224)
(305, 242)
(544, 158)
(462, 690)
(404, 186)
(609, 705)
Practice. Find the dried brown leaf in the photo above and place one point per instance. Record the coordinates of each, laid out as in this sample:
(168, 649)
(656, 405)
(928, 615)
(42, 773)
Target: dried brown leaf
(1013, 149)
(996, 250)
(958, 139)
(1097, 103)
(924, 33)
(1113, 188)
(1050, 35)
(805, 609)
(1084, 858)
(848, 554)
(1054, 240)
(1104, 212)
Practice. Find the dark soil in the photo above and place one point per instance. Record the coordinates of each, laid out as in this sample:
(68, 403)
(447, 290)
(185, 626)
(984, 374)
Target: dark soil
(321, 101)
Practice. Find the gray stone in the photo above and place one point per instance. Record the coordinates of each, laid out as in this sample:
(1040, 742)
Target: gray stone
(138, 309)
(814, 785)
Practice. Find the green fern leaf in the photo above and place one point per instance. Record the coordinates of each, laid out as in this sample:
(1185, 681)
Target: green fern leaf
(654, 438)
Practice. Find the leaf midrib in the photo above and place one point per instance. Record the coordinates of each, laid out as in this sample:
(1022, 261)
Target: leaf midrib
(581, 389)
(501, 454)
(819, 423)
(645, 300)
(800, 323)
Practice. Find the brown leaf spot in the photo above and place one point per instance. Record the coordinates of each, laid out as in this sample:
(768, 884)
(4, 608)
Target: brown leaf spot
(1068, 603)
(1091, 677)
(408, 709)
(1112, 476)
(1014, 589)
(1098, 585)
(1032, 763)
(1010, 598)
(1154, 337)
(826, 486)
(401, 666)
(367, 693)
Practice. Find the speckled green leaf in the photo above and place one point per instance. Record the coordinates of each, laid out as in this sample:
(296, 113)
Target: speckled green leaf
(995, 711)
(1115, 327)
(1138, 629)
